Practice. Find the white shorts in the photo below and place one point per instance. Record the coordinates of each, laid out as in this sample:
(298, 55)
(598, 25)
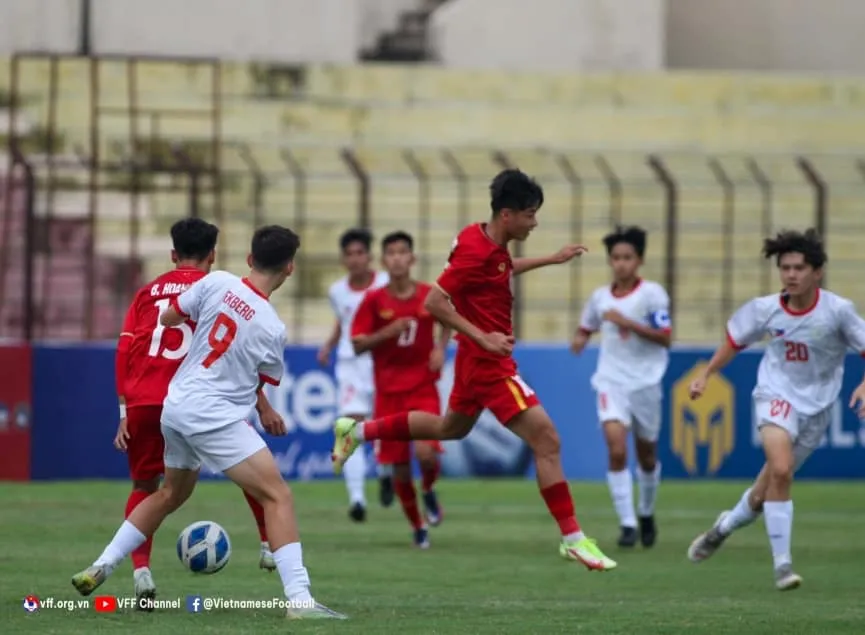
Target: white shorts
(354, 387)
(640, 409)
(220, 449)
(806, 431)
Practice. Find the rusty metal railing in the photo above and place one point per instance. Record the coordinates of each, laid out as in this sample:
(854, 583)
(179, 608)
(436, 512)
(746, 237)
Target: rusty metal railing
(433, 192)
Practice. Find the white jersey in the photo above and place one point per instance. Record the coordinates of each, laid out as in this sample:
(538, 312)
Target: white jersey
(239, 341)
(345, 299)
(627, 360)
(804, 359)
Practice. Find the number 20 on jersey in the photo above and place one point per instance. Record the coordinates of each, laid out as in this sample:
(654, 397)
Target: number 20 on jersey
(796, 351)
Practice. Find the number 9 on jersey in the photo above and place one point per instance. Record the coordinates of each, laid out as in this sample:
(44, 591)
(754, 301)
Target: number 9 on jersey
(220, 337)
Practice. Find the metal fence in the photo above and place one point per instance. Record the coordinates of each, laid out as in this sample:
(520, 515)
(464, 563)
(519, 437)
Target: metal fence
(54, 283)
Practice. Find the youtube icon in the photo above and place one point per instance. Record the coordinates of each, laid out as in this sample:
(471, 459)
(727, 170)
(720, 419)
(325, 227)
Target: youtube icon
(105, 604)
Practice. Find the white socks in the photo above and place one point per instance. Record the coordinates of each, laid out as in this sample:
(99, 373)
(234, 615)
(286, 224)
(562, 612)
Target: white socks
(648, 493)
(125, 541)
(779, 525)
(574, 537)
(355, 477)
(295, 579)
(622, 493)
(741, 516)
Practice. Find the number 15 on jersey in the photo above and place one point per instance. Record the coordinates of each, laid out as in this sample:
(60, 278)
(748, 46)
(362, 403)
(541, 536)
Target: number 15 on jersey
(156, 347)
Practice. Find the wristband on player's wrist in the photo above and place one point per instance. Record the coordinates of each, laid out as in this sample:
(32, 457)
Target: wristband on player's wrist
(123, 411)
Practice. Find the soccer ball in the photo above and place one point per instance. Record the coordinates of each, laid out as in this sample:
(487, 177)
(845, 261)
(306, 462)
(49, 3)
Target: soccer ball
(204, 547)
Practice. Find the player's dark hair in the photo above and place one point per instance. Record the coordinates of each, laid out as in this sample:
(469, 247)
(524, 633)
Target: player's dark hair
(807, 243)
(273, 247)
(193, 238)
(356, 235)
(633, 235)
(398, 237)
(513, 189)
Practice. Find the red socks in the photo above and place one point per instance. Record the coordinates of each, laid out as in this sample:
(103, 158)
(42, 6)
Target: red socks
(258, 512)
(430, 476)
(141, 555)
(393, 428)
(558, 499)
(408, 497)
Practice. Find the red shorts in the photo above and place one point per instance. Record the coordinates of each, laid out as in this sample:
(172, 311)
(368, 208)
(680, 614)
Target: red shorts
(425, 399)
(481, 384)
(146, 447)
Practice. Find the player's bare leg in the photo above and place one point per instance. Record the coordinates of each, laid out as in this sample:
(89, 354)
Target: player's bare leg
(355, 482)
(259, 476)
(778, 508)
(144, 520)
(430, 467)
(265, 560)
(535, 427)
(403, 485)
(620, 482)
(746, 511)
(143, 585)
(407, 426)
(648, 478)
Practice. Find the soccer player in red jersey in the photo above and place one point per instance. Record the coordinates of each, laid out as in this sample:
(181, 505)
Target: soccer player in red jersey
(407, 359)
(148, 355)
(473, 296)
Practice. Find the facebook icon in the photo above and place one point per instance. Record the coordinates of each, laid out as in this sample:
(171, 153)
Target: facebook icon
(193, 603)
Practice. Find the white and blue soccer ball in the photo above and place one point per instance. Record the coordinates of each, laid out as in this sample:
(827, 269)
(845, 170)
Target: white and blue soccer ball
(204, 547)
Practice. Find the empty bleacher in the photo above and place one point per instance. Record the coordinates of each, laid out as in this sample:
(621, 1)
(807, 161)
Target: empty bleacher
(429, 140)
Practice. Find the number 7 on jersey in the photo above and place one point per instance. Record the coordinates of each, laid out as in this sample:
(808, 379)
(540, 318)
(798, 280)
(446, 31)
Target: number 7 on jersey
(220, 337)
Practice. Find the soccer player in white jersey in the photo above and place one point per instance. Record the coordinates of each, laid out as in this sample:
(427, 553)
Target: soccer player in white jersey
(237, 347)
(798, 382)
(633, 318)
(354, 375)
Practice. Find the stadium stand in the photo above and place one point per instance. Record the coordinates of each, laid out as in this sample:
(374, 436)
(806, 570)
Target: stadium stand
(275, 136)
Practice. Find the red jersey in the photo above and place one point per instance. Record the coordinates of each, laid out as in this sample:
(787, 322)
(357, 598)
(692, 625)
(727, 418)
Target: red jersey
(400, 364)
(477, 278)
(149, 354)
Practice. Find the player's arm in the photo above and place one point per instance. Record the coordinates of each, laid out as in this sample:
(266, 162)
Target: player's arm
(743, 329)
(590, 322)
(658, 331)
(271, 371)
(323, 355)
(853, 332)
(172, 317)
(364, 334)
(444, 338)
(464, 272)
(333, 338)
(121, 360)
(261, 403)
(121, 372)
(661, 336)
(563, 255)
(187, 305)
(439, 305)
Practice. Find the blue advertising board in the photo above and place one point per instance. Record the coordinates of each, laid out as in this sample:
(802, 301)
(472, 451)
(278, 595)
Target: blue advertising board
(74, 419)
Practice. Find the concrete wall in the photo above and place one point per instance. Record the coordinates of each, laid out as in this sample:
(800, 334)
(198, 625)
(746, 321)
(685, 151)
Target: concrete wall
(558, 35)
(292, 31)
(767, 35)
(39, 25)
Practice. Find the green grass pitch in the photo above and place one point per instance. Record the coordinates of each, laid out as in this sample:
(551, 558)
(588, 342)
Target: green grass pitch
(493, 566)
